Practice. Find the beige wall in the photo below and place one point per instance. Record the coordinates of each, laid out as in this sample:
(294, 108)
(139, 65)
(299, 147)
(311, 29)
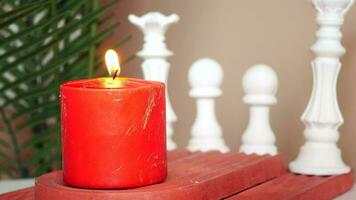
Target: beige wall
(239, 34)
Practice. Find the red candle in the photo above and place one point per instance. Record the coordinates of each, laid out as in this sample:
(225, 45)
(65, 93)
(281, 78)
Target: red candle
(113, 133)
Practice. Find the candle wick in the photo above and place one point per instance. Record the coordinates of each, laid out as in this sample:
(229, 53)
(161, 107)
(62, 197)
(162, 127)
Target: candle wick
(115, 74)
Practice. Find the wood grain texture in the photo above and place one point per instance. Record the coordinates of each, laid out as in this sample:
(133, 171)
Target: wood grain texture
(299, 187)
(24, 194)
(210, 175)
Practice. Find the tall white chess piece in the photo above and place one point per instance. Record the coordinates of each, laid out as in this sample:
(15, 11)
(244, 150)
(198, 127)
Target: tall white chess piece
(322, 117)
(260, 84)
(155, 53)
(205, 77)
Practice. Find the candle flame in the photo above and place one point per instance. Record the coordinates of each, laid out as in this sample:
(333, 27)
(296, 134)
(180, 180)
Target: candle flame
(112, 63)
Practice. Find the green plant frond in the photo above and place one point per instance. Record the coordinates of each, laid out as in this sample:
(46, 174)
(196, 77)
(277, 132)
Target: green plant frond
(13, 138)
(66, 30)
(67, 73)
(45, 154)
(32, 29)
(82, 47)
(123, 41)
(7, 100)
(44, 53)
(6, 158)
(23, 8)
(19, 15)
(5, 144)
(31, 110)
(7, 172)
(38, 90)
(36, 160)
(15, 91)
(35, 120)
(75, 73)
(72, 6)
(47, 164)
(53, 66)
(30, 95)
(45, 135)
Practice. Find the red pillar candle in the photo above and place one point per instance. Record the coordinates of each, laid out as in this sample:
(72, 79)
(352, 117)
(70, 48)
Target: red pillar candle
(113, 133)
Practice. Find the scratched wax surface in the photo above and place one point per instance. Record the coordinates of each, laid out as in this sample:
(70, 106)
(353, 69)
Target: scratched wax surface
(113, 137)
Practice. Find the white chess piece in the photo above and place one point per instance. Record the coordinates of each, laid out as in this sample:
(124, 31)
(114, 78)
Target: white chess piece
(155, 66)
(205, 77)
(322, 117)
(260, 84)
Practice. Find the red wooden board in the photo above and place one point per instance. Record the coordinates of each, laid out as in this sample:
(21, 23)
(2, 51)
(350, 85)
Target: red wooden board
(24, 194)
(209, 175)
(292, 186)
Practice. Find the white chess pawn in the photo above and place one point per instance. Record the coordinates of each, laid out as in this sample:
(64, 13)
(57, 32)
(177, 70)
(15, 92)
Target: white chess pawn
(260, 85)
(205, 77)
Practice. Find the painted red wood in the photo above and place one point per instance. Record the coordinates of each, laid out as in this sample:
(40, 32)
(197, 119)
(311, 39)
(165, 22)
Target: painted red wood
(209, 175)
(177, 154)
(28, 193)
(299, 187)
(24, 194)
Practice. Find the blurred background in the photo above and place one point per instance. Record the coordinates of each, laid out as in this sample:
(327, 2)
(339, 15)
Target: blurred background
(237, 34)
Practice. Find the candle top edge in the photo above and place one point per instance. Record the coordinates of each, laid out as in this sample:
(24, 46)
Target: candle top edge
(107, 83)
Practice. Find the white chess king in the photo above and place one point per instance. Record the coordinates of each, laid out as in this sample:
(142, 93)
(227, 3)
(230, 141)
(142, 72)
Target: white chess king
(155, 53)
(322, 117)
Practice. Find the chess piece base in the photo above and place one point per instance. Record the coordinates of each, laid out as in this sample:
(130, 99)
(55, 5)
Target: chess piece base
(259, 149)
(319, 159)
(197, 144)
